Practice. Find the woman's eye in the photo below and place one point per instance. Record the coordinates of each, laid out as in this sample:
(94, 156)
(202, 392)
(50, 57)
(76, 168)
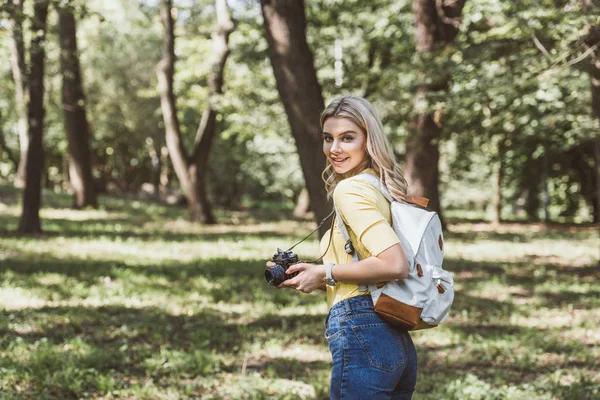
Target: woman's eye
(348, 138)
(328, 139)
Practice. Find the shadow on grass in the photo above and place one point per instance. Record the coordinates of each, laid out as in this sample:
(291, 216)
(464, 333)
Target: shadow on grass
(545, 231)
(221, 280)
(120, 228)
(483, 308)
(570, 298)
(127, 336)
(523, 273)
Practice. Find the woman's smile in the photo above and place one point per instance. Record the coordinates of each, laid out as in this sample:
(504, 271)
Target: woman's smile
(338, 160)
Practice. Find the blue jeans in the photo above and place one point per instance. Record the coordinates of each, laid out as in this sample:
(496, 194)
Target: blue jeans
(371, 359)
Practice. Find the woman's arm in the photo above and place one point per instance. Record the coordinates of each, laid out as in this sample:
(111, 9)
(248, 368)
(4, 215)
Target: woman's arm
(388, 265)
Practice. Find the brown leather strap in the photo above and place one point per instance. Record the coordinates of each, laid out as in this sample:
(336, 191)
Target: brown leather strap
(418, 200)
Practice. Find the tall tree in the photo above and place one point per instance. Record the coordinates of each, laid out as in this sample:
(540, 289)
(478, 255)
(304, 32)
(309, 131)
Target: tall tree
(76, 123)
(593, 42)
(30, 217)
(299, 90)
(436, 26)
(17, 59)
(191, 169)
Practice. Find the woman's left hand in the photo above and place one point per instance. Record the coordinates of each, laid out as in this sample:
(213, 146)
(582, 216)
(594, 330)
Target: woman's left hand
(310, 277)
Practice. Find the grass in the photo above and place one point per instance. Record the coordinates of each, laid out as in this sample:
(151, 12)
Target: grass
(132, 302)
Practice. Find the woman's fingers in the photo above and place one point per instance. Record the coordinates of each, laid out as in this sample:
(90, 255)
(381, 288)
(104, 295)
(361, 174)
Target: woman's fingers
(288, 283)
(296, 268)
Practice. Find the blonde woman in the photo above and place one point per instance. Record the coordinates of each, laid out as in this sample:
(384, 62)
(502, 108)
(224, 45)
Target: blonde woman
(371, 359)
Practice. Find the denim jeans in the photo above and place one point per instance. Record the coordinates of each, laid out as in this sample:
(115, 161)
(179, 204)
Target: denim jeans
(371, 359)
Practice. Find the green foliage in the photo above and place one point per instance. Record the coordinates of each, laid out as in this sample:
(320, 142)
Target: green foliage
(513, 97)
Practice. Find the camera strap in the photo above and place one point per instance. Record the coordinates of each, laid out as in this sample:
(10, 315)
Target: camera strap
(310, 234)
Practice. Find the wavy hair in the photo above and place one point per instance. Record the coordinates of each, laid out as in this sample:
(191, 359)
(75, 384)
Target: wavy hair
(379, 156)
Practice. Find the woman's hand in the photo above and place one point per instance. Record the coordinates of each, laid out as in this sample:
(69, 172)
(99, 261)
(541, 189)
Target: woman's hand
(310, 277)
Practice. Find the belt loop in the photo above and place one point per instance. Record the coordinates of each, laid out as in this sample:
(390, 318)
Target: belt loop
(347, 306)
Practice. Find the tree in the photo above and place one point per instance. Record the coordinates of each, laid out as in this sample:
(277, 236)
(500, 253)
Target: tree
(299, 90)
(191, 169)
(17, 50)
(436, 27)
(593, 42)
(76, 123)
(30, 217)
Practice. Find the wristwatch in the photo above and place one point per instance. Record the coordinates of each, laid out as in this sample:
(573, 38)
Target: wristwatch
(329, 281)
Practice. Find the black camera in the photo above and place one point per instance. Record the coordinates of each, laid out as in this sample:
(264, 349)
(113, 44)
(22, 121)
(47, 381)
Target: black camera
(276, 274)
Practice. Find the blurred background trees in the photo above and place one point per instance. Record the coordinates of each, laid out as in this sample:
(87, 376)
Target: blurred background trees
(512, 95)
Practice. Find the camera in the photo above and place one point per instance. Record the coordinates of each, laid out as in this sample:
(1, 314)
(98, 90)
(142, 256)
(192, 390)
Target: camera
(276, 274)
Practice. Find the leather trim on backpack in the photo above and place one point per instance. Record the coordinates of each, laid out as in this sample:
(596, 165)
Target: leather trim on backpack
(418, 200)
(398, 314)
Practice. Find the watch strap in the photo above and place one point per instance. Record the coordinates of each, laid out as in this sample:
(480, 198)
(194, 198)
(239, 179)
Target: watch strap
(329, 281)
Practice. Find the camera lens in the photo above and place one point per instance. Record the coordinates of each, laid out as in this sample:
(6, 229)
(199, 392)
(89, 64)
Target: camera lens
(275, 275)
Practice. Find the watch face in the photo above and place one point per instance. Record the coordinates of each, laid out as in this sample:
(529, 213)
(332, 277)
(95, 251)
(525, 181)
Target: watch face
(330, 282)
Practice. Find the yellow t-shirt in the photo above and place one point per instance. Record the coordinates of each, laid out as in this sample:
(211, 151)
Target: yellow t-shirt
(366, 213)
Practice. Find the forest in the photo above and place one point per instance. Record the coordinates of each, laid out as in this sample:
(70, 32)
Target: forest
(155, 153)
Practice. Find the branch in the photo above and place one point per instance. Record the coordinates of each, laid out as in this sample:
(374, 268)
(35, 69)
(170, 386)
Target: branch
(541, 47)
(572, 62)
(439, 6)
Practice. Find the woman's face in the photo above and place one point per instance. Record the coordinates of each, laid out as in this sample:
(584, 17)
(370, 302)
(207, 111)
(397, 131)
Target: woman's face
(344, 144)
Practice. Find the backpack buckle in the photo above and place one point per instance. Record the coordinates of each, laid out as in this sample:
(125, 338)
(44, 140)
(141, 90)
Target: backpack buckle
(348, 248)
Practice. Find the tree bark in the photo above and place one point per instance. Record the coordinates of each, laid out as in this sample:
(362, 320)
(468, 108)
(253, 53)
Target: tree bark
(595, 88)
(17, 59)
(497, 218)
(299, 90)
(436, 26)
(30, 217)
(4, 147)
(302, 204)
(592, 39)
(191, 170)
(76, 123)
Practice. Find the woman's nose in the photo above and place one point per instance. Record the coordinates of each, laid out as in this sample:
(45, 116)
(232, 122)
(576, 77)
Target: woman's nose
(335, 146)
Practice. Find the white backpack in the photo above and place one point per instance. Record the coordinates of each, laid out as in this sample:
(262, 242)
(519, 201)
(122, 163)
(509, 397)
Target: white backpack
(423, 299)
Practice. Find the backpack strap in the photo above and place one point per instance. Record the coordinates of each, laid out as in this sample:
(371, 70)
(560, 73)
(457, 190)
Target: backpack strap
(376, 182)
(348, 246)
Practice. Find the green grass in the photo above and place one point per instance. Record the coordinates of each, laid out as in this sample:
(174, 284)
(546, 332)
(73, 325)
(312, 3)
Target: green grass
(132, 302)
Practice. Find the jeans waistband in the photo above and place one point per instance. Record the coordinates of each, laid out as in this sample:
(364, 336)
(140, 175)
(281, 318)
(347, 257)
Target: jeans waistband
(353, 303)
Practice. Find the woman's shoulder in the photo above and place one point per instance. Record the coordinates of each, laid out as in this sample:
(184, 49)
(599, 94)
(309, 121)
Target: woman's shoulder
(355, 185)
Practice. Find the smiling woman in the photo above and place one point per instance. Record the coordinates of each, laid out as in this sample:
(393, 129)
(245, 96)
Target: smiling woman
(371, 359)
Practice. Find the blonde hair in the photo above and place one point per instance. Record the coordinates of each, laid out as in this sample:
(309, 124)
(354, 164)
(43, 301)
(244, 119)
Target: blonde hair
(379, 156)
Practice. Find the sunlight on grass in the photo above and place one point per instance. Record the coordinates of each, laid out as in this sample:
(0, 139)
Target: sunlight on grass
(132, 301)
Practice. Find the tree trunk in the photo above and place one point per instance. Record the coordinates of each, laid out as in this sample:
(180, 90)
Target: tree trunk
(497, 219)
(545, 190)
(76, 123)
(436, 26)
(299, 90)
(302, 205)
(4, 147)
(30, 217)
(17, 53)
(592, 39)
(191, 170)
(595, 88)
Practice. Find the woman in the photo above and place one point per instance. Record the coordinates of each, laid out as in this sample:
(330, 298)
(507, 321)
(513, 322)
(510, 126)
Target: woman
(371, 359)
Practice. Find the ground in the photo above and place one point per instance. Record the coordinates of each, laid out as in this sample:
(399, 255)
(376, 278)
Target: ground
(132, 302)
